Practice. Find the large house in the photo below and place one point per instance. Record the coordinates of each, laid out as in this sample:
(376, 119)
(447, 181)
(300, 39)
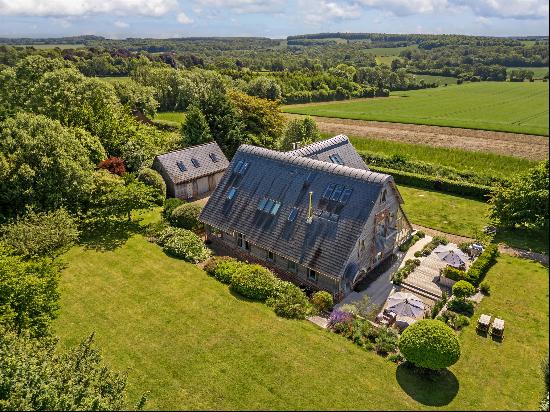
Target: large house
(315, 215)
(193, 172)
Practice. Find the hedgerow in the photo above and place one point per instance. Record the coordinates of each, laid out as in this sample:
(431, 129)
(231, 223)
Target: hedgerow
(254, 282)
(401, 274)
(481, 266)
(289, 301)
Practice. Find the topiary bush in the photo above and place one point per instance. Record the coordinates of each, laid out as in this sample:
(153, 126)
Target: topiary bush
(254, 282)
(186, 216)
(464, 307)
(153, 179)
(430, 344)
(187, 246)
(170, 205)
(289, 301)
(485, 288)
(322, 301)
(462, 289)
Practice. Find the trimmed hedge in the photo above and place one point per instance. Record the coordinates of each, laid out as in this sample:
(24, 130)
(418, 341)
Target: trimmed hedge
(481, 266)
(439, 184)
(453, 273)
(430, 344)
(462, 289)
(223, 268)
(254, 282)
(186, 216)
(401, 274)
(407, 245)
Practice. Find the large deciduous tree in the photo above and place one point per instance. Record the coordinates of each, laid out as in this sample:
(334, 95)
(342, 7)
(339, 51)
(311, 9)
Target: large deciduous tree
(302, 131)
(523, 201)
(44, 165)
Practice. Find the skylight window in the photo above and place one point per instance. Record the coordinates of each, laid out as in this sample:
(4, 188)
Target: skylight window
(238, 166)
(335, 158)
(328, 191)
(337, 192)
(292, 215)
(275, 208)
(345, 195)
(195, 162)
(262, 203)
(231, 193)
(213, 157)
(268, 205)
(181, 166)
(241, 167)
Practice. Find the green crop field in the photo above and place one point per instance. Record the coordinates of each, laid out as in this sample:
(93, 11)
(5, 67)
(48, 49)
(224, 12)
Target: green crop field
(436, 79)
(501, 106)
(192, 344)
(487, 163)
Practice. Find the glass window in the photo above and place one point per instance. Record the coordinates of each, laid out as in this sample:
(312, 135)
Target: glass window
(292, 215)
(275, 208)
(328, 191)
(268, 205)
(231, 193)
(181, 166)
(213, 157)
(195, 162)
(312, 275)
(345, 195)
(238, 166)
(270, 256)
(262, 203)
(292, 266)
(337, 192)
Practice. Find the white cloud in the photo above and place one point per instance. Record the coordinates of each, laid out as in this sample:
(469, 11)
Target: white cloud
(406, 7)
(244, 6)
(516, 9)
(85, 7)
(184, 19)
(121, 24)
(321, 11)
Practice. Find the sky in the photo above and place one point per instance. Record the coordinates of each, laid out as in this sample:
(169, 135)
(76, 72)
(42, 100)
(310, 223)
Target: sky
(269, 18)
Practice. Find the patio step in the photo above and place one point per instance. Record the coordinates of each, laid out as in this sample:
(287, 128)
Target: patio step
(420, 291)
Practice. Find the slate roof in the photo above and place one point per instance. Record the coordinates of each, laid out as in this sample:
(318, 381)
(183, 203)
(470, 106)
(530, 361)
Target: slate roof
(169, 162)
(322, 245)
(336, 145)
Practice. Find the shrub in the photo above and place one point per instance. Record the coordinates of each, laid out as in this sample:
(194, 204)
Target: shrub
(164, 234)
(187, 246)
(340, 322)
(395, 358)
(212, 263)
(439, 305)
(485, 288)
(115, 165)
(322, 301)
(386, 341)
(453, 273)
(154, 230)
(254, 282)
(170, 205)
(483, 263)
(427, 249)
(454, 320)
(225, 270)
(430, 344)
(407, 245)
(405, 271)
(462, 289)
(186, 216)
(464, 307)
(153, 179)
(464, 246)
(289, 301)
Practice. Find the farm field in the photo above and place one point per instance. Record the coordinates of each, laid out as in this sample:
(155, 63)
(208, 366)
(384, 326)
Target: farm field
(194, 345)
(500, 106)
(436, 79)
(488, 163)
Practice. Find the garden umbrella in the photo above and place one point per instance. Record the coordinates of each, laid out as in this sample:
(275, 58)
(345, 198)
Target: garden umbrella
(402, 322)
(406, 305)
(452, 258)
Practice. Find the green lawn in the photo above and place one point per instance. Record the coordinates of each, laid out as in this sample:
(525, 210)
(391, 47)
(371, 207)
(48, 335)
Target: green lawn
(170, 118)
(462, 216)
(502, 106)
(445, 212)
(491, 164)
(185, 338)
(436, 79)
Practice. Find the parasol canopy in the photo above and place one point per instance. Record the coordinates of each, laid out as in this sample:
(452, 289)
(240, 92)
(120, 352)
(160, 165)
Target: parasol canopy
(406, 305)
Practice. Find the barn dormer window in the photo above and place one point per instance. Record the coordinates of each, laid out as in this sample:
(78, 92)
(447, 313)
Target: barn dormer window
(195, 162)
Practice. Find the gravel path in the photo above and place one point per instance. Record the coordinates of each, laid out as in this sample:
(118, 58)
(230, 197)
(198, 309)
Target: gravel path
(509, 144)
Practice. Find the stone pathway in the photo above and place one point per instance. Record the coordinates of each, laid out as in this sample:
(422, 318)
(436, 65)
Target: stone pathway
(319, 321)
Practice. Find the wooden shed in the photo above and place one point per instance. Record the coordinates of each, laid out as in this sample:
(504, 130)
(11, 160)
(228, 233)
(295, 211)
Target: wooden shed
(193, 172)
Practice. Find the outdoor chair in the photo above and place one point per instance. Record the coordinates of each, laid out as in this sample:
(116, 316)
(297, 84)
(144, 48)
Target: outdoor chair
(483, 323)
(497, 328)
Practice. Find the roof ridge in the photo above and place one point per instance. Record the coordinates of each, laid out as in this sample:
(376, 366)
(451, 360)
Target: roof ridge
(189, 148)
(321, 144)
(307, 162)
